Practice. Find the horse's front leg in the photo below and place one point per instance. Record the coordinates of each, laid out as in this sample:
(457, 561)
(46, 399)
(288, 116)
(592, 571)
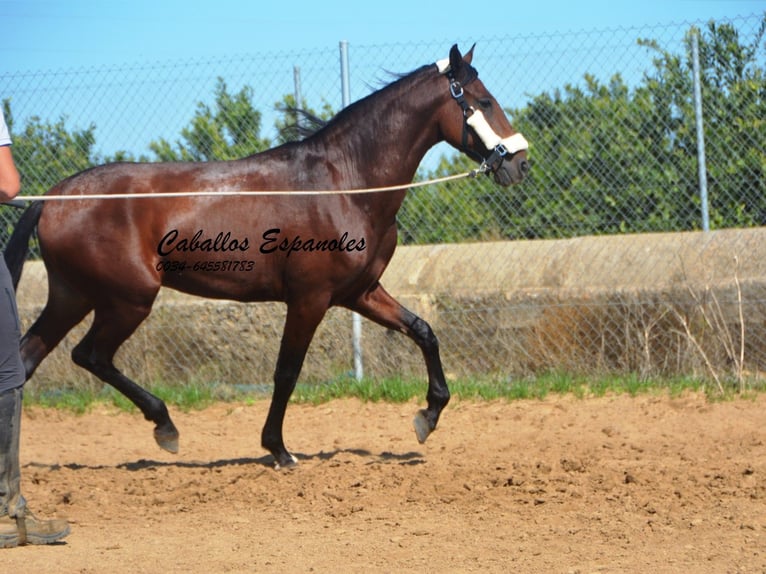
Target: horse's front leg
(300, 324)
(377, 305)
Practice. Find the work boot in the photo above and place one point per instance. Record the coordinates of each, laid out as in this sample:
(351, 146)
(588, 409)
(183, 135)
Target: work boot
(18, 525)
(26, 529)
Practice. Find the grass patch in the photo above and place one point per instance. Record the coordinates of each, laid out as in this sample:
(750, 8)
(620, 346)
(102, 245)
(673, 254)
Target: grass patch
(198, 395)
(394, 390)
(184, 397)
(73, 400)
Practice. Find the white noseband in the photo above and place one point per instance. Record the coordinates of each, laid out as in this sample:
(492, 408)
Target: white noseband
(479, 123)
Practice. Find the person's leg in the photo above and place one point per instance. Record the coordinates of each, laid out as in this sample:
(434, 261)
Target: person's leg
(12, 373)
(17, 525)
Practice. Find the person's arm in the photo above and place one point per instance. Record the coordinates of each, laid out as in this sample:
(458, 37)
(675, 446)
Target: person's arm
(10, 181)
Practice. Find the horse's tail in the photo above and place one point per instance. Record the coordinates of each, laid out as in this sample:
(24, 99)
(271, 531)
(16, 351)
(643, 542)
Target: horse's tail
(18, 245)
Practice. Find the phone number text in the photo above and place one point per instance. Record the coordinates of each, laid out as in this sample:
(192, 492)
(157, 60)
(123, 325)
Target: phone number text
(174, 266)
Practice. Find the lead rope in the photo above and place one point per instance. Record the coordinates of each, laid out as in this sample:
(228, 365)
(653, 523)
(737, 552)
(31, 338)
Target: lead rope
(22, 198)
(456, 89)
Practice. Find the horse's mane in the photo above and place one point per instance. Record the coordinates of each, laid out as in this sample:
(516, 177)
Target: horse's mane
(309, 124)
(306, 124)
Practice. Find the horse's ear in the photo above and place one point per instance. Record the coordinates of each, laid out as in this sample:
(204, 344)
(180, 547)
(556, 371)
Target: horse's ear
(455, 59)
(461, 65)
(468, 58)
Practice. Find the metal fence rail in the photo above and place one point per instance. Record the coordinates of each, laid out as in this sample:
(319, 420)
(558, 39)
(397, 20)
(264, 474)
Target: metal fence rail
(614, 145)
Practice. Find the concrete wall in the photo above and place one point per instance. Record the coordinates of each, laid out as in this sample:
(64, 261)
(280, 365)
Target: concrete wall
(492, 305)
(648, 262)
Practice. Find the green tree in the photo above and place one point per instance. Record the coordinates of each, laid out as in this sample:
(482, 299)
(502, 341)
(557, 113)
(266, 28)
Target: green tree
(734, 97)
(229, 130)
(604, 164)
(610, 159)
(453, 211)
(297, 121)
(607, 158)
(48, 152)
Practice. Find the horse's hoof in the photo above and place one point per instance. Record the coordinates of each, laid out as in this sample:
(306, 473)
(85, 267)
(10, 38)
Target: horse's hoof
(422, 426)
(287, 462)
(167, 440)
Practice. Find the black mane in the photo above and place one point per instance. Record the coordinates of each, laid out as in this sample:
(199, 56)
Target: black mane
(309, 124)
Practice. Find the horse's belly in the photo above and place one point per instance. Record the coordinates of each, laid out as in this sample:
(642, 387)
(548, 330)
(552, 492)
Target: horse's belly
(235, 279)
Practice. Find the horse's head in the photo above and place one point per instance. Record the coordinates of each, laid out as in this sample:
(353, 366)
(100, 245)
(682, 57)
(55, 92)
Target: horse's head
(477, 124)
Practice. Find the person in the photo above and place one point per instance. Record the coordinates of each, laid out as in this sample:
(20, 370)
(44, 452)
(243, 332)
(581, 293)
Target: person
(18, 526)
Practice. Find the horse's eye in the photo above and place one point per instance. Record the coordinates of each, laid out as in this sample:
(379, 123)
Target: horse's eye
(485, 103)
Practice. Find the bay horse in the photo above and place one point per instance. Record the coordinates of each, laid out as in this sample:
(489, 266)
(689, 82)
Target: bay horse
(112, 255)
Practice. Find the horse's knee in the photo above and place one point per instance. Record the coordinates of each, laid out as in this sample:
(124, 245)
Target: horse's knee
(423, 334)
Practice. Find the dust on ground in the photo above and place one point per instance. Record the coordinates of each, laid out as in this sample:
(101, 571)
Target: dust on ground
(613, 484)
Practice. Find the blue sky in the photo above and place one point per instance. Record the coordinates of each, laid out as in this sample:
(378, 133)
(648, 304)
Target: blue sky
(55, 34)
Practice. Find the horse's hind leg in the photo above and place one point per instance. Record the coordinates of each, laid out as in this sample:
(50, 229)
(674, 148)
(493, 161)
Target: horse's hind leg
(377, 305)
(63, 310)
(111, 327)
(300, 325)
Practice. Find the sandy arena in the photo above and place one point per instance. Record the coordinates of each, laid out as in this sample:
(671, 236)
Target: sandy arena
(618, 484)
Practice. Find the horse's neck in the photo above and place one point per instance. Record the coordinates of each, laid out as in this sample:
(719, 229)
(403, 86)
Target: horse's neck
(383, 141)
(379, 142)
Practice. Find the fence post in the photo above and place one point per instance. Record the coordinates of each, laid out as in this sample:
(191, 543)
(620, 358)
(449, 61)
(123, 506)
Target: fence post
(298, 94)
(701, 163)
(355, 317)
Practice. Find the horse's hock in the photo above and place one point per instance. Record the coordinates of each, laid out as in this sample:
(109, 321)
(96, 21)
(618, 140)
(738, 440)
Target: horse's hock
(638, 303)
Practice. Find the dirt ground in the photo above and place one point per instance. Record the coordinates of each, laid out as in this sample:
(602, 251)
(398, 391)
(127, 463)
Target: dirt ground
(616, 484)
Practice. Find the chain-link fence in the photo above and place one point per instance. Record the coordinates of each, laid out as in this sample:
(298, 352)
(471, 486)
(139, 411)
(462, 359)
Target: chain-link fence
(618, 121)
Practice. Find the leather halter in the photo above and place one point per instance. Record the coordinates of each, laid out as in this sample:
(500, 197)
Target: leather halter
(488, 164)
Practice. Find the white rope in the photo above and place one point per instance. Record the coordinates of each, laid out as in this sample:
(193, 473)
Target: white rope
(240, 193)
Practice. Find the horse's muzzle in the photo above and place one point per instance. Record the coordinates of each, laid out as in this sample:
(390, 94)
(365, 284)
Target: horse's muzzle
(512, 170)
